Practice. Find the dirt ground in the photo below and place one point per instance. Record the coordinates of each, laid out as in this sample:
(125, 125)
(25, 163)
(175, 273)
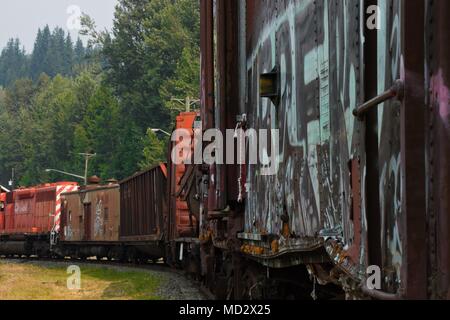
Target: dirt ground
(42, 280)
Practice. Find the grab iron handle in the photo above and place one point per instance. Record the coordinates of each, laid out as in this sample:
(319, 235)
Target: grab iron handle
(395, 91)
(380, 295)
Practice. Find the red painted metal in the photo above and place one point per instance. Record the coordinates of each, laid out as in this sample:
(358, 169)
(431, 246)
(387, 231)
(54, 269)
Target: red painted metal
(2, 211)
(9, 213)
(182, 223)
(32, 210)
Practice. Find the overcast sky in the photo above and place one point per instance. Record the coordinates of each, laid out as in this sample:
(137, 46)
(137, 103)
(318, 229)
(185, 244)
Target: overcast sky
(22, 18)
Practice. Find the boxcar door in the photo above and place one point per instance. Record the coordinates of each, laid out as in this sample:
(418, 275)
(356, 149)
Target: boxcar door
(87, 221)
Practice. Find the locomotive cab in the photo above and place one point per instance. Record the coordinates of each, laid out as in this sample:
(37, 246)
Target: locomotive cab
(3, 193)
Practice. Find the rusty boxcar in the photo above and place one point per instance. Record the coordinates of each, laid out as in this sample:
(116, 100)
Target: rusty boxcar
(362, 114)
(90, 221)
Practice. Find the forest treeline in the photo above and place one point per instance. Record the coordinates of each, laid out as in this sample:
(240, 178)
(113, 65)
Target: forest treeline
(65, 98)
(54, 53)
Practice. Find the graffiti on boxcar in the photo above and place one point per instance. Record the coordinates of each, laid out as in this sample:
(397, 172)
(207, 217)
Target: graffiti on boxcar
(98, 224)
(390, 185)
(442, 95)
(68, 232)
(346, 73)
(390, 180)
(344, 147)
(317, 97)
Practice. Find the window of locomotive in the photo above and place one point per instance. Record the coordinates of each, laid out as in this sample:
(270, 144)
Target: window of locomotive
(2, 206)
(106, 214)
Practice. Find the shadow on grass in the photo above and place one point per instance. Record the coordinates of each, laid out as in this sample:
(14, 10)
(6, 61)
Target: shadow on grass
(139, 285)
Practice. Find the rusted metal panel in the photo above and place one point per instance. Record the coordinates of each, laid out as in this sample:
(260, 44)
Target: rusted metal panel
(438, 147)
(220, 95)
(143, 206)
(385, 215)
(223, 186)
(91, 214)
(320, 84)
(354, 251)
(207, 94)
(412, 173)
(318, 49)
(368, 185)
(207, 63)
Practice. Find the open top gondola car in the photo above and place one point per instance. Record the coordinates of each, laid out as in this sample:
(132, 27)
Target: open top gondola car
(143, 214)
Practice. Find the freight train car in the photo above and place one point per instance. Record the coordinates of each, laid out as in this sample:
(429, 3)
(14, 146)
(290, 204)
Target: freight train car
(143, 214)
(90, 222)
(348, 102)
(32, 219)
(182, 227)
(355, 96)
(123, 221)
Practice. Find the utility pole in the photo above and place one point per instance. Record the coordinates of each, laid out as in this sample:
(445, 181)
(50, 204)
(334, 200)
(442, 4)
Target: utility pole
(187, 103)
(87, 157)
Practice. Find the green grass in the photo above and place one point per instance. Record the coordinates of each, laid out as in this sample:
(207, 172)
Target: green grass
(32, 281)
(139, 285)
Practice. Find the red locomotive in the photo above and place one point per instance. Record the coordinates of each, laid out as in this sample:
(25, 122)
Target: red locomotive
(31, 218)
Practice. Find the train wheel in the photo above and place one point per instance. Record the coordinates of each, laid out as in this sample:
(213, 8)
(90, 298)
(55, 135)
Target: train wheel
(132, 256)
